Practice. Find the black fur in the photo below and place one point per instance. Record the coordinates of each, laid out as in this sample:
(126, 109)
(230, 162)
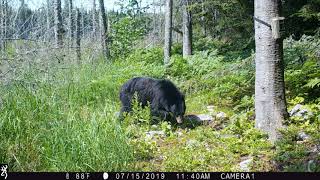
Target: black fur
(166, 101)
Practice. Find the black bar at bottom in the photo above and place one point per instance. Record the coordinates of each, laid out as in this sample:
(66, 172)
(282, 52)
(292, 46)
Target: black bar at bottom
(159, 175)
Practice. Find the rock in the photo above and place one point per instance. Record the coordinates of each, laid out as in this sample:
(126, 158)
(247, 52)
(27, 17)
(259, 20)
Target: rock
(311, 163)
(302, 136)
(117, 114)
(201, 118)
(179, 134)
(295, 109)
(229, 136)
(206, 145)
(205, 117)
(314, 149)
(221, 115)
(154, 127)
(192, 143)
(300, 111)
(210, 109)
(152, 134)
(244, 165)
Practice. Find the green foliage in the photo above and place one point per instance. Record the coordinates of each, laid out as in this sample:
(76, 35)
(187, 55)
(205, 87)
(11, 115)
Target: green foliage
(147, 56)
(226, 20)
(296, 155)
(302, 68)
(55, 126)
(207, 43)
(302, 17)
(124, 34)
(203, 149)
(297, 52)
(139, 115)
(136, 124)
(178, 66)
(245, 104)
(313, 83)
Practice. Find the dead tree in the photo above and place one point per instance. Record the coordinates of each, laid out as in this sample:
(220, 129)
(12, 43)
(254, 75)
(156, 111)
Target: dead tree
(58, 29)
(4, 23)
(70, 23)
(94, 22)
(203, 19)
(78, 36)
(48, 18)
(104, 30)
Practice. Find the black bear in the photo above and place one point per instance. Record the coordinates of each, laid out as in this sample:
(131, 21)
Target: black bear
(166, 101)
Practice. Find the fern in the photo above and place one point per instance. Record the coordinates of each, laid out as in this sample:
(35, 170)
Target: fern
(313, 83)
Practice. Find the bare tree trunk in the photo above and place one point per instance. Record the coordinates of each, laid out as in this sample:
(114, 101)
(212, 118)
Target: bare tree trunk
(154, 17)
(215, 17)
(104, 30)
(48, 21)
(1, 23)
(82, 21)
(70, 23)
(187, 29)
(160, 20)
(203, 21)
(270, 102)
(4, 18)
(21, 20)
(168, 32)
(78, 36)
(94, 22)
(58, 29)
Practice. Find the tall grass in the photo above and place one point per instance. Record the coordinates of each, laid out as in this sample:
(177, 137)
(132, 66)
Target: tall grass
(67, 122)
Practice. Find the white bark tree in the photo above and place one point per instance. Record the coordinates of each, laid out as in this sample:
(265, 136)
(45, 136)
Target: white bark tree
(168, 32)
(270, 102)
(187, 29)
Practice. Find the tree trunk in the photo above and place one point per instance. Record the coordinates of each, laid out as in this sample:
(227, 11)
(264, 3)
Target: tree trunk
(160, 20)
(203, 19)
(82, 21)
(58, 29)
(48, 36)
(94, 22)
(1, 24)
(21, 21)
(187, 29)
(78, 36)
(270, 102)
(154, 23)
(103, 30)
(168, 32)
(4, 18)
(70, 22)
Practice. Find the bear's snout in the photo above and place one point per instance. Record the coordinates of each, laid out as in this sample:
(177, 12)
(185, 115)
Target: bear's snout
(179, 119)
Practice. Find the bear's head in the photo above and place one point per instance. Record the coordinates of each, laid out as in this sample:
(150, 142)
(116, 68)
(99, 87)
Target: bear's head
(178, 109)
